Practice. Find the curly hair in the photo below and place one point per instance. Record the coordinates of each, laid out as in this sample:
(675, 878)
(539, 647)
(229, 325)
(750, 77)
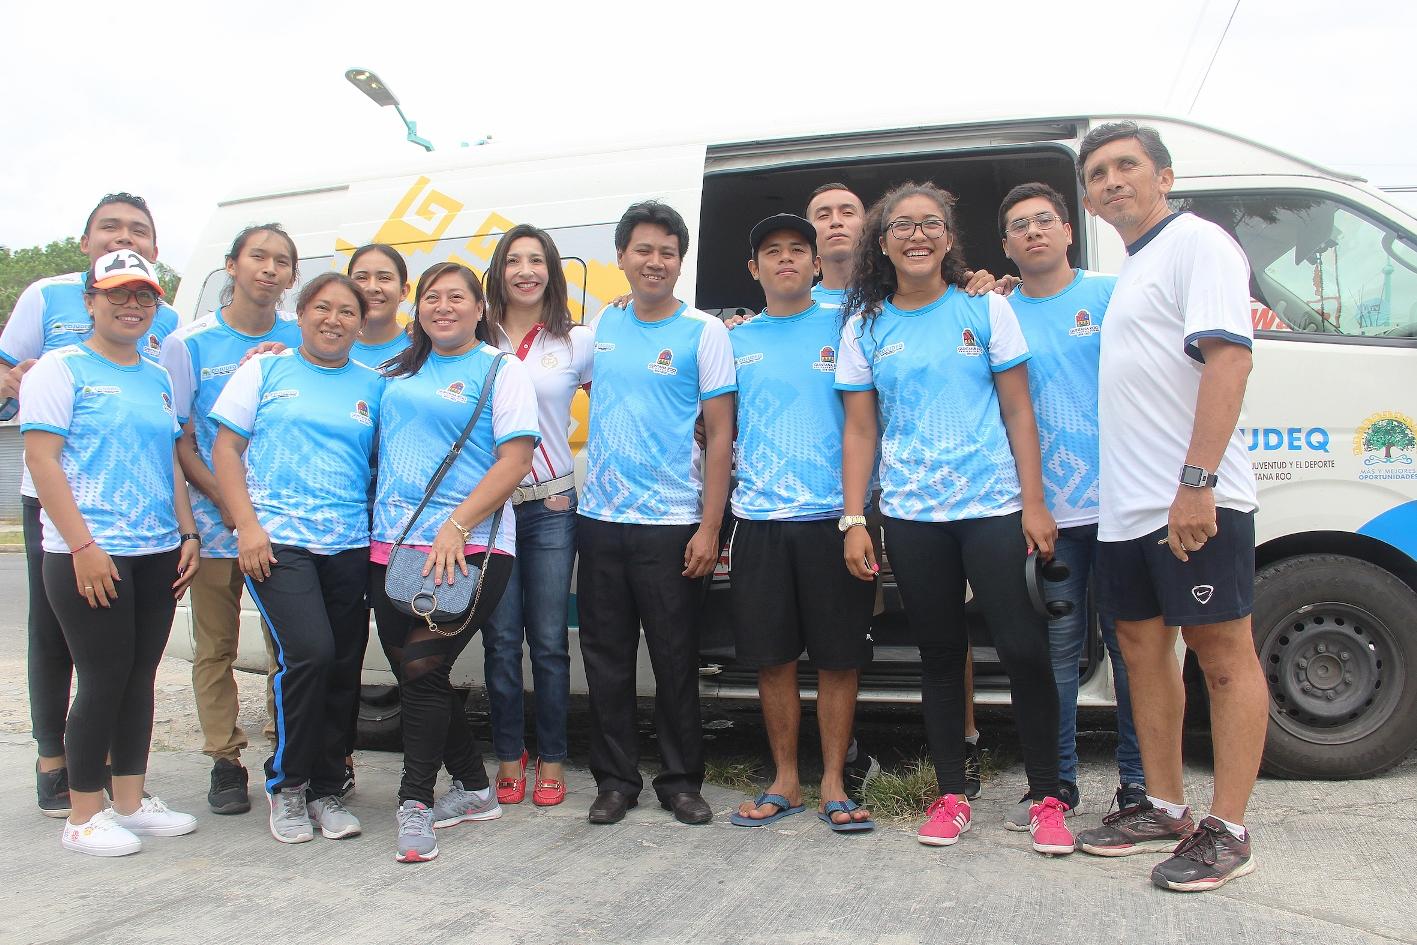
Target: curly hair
(873, 276)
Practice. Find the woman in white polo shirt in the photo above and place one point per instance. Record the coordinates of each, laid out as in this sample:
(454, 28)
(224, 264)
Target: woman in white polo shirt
(527, 315)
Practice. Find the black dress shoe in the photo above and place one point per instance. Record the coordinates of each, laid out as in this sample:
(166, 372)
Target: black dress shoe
(609, 807)
(688, 808)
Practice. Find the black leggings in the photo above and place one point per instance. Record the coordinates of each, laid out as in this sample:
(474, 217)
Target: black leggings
(50, 666)
(116, 651)
(434, 719)
(932, 560)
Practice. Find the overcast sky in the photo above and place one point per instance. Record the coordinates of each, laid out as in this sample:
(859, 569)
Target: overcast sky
(182, 102)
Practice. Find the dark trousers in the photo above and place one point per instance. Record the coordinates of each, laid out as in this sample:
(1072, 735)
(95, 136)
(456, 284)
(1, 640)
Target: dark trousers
(631, 576)
(314, 607)
(50, 665)
(434, 718)
(932, 561)
(116, 651)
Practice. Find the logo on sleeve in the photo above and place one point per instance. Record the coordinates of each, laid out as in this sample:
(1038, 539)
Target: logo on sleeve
(454, 392)
(969, 345)
(888, 350)
(1083, 325)
(826, 360)
(361, 414)
(221, 370)
(664, 364)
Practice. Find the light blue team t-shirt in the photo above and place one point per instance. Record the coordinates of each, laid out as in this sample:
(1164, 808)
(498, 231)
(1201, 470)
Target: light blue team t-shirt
(312, 437)
(945, 455)
(647, 383)
(118, 425)
(50, 314)
(830, 300)
(790, 416)
(1064, 333)
(202, 357)
(375, 355)
(421, 416)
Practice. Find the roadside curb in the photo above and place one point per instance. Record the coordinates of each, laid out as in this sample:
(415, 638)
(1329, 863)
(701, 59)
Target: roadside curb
(11, 549)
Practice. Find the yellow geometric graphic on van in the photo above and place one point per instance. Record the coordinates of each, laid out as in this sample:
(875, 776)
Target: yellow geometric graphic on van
(490, 232)
(435, 208)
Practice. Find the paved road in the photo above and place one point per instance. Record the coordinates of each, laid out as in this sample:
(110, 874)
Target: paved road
(1334, 867)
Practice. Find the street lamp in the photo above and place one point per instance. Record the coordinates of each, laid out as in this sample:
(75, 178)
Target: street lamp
(374, 87)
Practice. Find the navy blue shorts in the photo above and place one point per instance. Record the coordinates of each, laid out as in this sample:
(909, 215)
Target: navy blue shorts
(1141, 579)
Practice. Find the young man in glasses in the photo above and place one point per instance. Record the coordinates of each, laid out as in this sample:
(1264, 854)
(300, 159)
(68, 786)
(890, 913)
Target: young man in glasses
(1060, 310)
(1176, 538)
(50, 314)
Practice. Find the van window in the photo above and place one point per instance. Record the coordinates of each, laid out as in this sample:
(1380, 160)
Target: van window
(1318, 265)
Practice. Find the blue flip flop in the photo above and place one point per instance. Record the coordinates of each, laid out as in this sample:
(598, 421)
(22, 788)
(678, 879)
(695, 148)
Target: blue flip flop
(845, 807)
(784, 810)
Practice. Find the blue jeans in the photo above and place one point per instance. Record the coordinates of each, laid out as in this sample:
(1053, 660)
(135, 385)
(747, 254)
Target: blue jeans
(534, 608)
(1067, 636)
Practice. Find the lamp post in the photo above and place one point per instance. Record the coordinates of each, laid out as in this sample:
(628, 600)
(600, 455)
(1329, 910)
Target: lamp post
(374, 87)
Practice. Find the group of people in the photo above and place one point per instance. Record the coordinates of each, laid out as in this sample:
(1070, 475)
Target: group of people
(1078, 417)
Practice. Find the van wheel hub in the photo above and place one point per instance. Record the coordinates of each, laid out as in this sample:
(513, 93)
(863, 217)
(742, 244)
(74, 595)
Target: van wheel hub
(1326, 666)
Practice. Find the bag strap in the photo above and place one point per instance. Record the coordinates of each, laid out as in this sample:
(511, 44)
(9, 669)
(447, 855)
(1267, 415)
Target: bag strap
(452, 456)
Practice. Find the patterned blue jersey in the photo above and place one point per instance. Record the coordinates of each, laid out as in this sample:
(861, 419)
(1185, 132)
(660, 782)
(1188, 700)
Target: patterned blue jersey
(647, 382)
(311, 432)
(830, 300)
(945, 455)
(201, 357)
(50, 314)
(118, 425)
(375, 355)
(790, 416)
(422, 415)
(1064, 333)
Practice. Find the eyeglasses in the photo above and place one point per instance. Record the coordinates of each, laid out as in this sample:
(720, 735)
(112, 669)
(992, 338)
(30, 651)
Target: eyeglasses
(934, 228)
(147, 298)
(1045, 220)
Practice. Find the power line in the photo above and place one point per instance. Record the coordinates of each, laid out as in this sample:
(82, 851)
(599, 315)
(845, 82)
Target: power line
(1213, 56)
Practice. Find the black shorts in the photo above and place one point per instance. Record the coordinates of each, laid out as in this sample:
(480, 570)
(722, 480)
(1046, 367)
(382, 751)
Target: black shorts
(1141, 579)
(790, 592)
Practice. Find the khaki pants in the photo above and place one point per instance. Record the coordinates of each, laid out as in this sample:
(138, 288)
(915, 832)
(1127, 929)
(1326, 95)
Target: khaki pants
(216, 607)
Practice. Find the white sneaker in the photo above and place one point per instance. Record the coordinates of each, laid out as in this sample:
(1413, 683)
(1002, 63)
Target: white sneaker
(100, 836)
(154, 819)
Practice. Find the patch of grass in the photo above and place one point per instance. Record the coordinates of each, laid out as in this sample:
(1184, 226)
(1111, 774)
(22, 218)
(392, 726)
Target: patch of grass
(902, 793)
(739, 774)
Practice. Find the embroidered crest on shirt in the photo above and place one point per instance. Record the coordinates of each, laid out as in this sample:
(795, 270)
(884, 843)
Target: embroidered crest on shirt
(549, 361)
(454, 392)
(1083, 324)
(664, 364)
(826, 360)
(361, 414)
(166, 404)
(969, 345)
(153, 346)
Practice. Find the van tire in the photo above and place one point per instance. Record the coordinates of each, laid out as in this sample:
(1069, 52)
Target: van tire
(380, 725)
(1337, 642)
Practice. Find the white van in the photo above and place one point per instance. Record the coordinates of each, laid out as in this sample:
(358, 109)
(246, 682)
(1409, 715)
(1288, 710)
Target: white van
(1329, 415)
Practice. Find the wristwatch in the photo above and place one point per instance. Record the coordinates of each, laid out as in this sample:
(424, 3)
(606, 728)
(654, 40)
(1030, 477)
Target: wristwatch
(848, 522)
(1198, 478)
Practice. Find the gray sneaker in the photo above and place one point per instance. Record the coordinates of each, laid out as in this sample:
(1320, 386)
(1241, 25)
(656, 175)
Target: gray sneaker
(333, 818)
(416, 841)
(1019, 819)
(290, 822)
(460, 804)
(1143, 828)
(1208, 859)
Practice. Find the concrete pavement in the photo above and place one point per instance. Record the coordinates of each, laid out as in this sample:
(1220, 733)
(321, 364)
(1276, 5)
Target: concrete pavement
(1334, 868)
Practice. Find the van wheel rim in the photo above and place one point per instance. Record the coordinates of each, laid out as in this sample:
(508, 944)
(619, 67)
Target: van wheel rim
(1334, 673)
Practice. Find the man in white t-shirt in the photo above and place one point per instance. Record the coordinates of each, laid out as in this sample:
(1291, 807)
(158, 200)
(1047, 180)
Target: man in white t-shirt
(1177, 529)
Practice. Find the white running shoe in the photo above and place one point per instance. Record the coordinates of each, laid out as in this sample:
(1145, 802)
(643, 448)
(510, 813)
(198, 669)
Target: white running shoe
(333, 818)
(100, 836)
(153, 818)
(290, 819)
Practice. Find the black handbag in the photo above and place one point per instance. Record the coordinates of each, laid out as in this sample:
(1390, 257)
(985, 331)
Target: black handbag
(404, 582)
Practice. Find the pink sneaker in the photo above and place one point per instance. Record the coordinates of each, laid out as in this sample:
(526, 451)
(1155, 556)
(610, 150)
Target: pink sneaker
(946, 819)
(1049, 829)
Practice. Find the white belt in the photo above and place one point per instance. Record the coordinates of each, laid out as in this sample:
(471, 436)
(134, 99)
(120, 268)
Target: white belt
(544, 489)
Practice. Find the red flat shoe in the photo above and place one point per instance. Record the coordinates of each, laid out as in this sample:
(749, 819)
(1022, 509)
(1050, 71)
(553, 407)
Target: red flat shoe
(513, 790)
(548, 791)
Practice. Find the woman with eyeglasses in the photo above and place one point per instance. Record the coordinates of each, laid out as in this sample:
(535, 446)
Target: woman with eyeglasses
(962, 492)
(120, 547)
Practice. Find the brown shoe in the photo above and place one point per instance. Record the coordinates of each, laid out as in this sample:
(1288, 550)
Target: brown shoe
(1142, 828)
(1207, 859)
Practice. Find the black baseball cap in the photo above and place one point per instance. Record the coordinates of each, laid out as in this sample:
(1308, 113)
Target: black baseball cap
(781, 221)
